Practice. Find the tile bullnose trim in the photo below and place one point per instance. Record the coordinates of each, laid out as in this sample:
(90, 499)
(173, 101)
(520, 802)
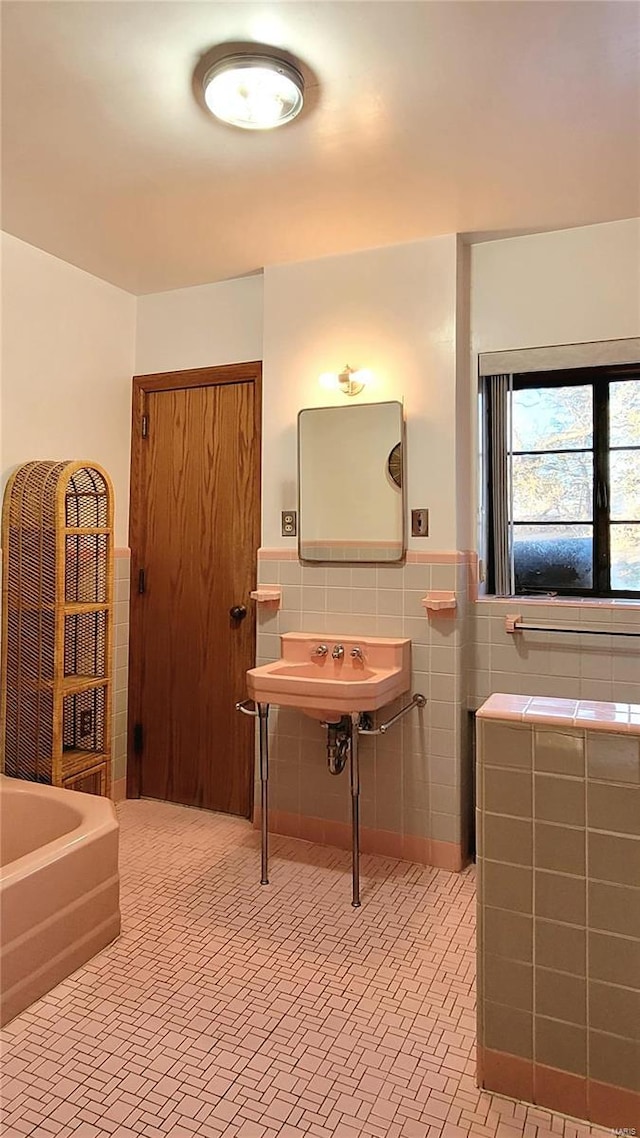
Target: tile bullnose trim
(278, 554)
(505, 1074)
(590, 715)
(614, 1107)
(616, 604)
(412, 557)
(560, 1091)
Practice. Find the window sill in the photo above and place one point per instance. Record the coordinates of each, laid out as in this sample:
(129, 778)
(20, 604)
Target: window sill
(616, 603)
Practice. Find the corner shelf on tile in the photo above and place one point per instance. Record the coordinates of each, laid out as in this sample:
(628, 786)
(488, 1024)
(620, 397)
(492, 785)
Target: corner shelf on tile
(267, 595)
(439, 600)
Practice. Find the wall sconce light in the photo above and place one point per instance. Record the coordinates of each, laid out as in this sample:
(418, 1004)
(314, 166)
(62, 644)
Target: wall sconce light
(350, 381)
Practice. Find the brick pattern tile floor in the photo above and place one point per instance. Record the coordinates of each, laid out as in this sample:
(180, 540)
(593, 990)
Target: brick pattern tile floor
(227, 1009)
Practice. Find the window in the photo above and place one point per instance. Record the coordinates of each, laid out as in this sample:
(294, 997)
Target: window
(563, 487)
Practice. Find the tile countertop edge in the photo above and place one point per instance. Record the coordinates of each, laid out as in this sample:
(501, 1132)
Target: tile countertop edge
(617, 604)
(592, 715)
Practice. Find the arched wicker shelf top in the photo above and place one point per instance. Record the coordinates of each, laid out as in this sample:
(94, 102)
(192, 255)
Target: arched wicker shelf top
(73, 494)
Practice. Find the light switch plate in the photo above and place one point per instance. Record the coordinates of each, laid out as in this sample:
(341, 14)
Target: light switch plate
(420, 523)
(289, 523)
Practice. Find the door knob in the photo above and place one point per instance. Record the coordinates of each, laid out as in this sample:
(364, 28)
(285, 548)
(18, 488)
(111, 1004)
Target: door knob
(237, 612)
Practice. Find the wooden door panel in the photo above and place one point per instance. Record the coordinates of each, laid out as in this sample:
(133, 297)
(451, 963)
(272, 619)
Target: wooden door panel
(198, 516)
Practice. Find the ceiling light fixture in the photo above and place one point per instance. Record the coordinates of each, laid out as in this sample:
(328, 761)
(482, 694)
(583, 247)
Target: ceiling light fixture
(254, 91)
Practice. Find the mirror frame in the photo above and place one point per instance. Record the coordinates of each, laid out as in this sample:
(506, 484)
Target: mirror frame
(403, 488)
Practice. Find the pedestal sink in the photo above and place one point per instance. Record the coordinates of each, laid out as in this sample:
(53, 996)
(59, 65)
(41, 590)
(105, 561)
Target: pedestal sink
(331, 676)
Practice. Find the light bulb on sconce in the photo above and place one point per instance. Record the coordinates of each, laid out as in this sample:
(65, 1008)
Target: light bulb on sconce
(351, 381)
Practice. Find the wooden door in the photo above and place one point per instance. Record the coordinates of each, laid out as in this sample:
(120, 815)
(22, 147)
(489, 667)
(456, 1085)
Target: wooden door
(195, 526)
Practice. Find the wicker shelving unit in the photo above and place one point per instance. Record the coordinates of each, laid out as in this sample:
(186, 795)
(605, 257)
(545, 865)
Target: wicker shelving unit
(57, 625)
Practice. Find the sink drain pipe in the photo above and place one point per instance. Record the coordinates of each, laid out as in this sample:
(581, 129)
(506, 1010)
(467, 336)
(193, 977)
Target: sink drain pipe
(338, 743)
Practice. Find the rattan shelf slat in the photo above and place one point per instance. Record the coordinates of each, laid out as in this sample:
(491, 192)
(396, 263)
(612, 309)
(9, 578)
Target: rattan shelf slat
(68, 685)
(77, 761)
(74, 607)
(72, 685)
(71, 608)
(87, 529)
(74, 755)
(57, 625)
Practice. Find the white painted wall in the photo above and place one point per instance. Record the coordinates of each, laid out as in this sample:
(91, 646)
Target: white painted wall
(573, 286)
(68, 348)
(465, 405)
(391, 310)
(568, 287)
(202, 326)
(68, 344)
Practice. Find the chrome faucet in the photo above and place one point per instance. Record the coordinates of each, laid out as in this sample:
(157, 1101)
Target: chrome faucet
(321, 650)
(356, 654)
(338, 652)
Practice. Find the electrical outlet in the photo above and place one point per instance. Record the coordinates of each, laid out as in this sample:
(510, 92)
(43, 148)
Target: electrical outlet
(289, 523)
(420, 523)
(86, 723)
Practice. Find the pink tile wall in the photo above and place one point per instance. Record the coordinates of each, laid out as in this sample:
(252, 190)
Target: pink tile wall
(414, 786)
(554, 664)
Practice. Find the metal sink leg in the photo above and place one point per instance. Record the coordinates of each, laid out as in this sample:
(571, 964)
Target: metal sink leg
(263, 714)
(355, 810)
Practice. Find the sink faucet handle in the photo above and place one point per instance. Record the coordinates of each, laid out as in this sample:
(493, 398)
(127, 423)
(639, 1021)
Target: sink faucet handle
(321, 650)
(356, 653)
(338, 652)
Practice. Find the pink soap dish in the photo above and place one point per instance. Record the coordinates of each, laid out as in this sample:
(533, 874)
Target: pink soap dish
(438, 599)
(267, 595)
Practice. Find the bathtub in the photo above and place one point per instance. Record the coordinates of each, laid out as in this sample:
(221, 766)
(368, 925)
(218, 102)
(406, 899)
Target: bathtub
(59, 887)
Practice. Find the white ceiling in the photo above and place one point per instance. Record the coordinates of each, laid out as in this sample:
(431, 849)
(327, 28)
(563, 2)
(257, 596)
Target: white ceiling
(428, 118)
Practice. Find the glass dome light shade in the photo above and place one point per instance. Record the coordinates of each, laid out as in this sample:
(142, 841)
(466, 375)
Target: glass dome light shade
(254, 92)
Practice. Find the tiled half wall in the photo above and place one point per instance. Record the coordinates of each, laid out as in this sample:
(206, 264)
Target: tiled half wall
(416, 779)
(559, 906)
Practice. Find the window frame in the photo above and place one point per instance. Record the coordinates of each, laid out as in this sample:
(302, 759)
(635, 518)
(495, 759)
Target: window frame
(598, 378)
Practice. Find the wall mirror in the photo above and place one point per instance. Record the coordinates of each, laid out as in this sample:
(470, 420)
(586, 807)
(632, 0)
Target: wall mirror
(350, 483)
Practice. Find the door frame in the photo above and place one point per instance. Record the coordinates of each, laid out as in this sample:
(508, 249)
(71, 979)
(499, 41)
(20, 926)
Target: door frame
(142, 386)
